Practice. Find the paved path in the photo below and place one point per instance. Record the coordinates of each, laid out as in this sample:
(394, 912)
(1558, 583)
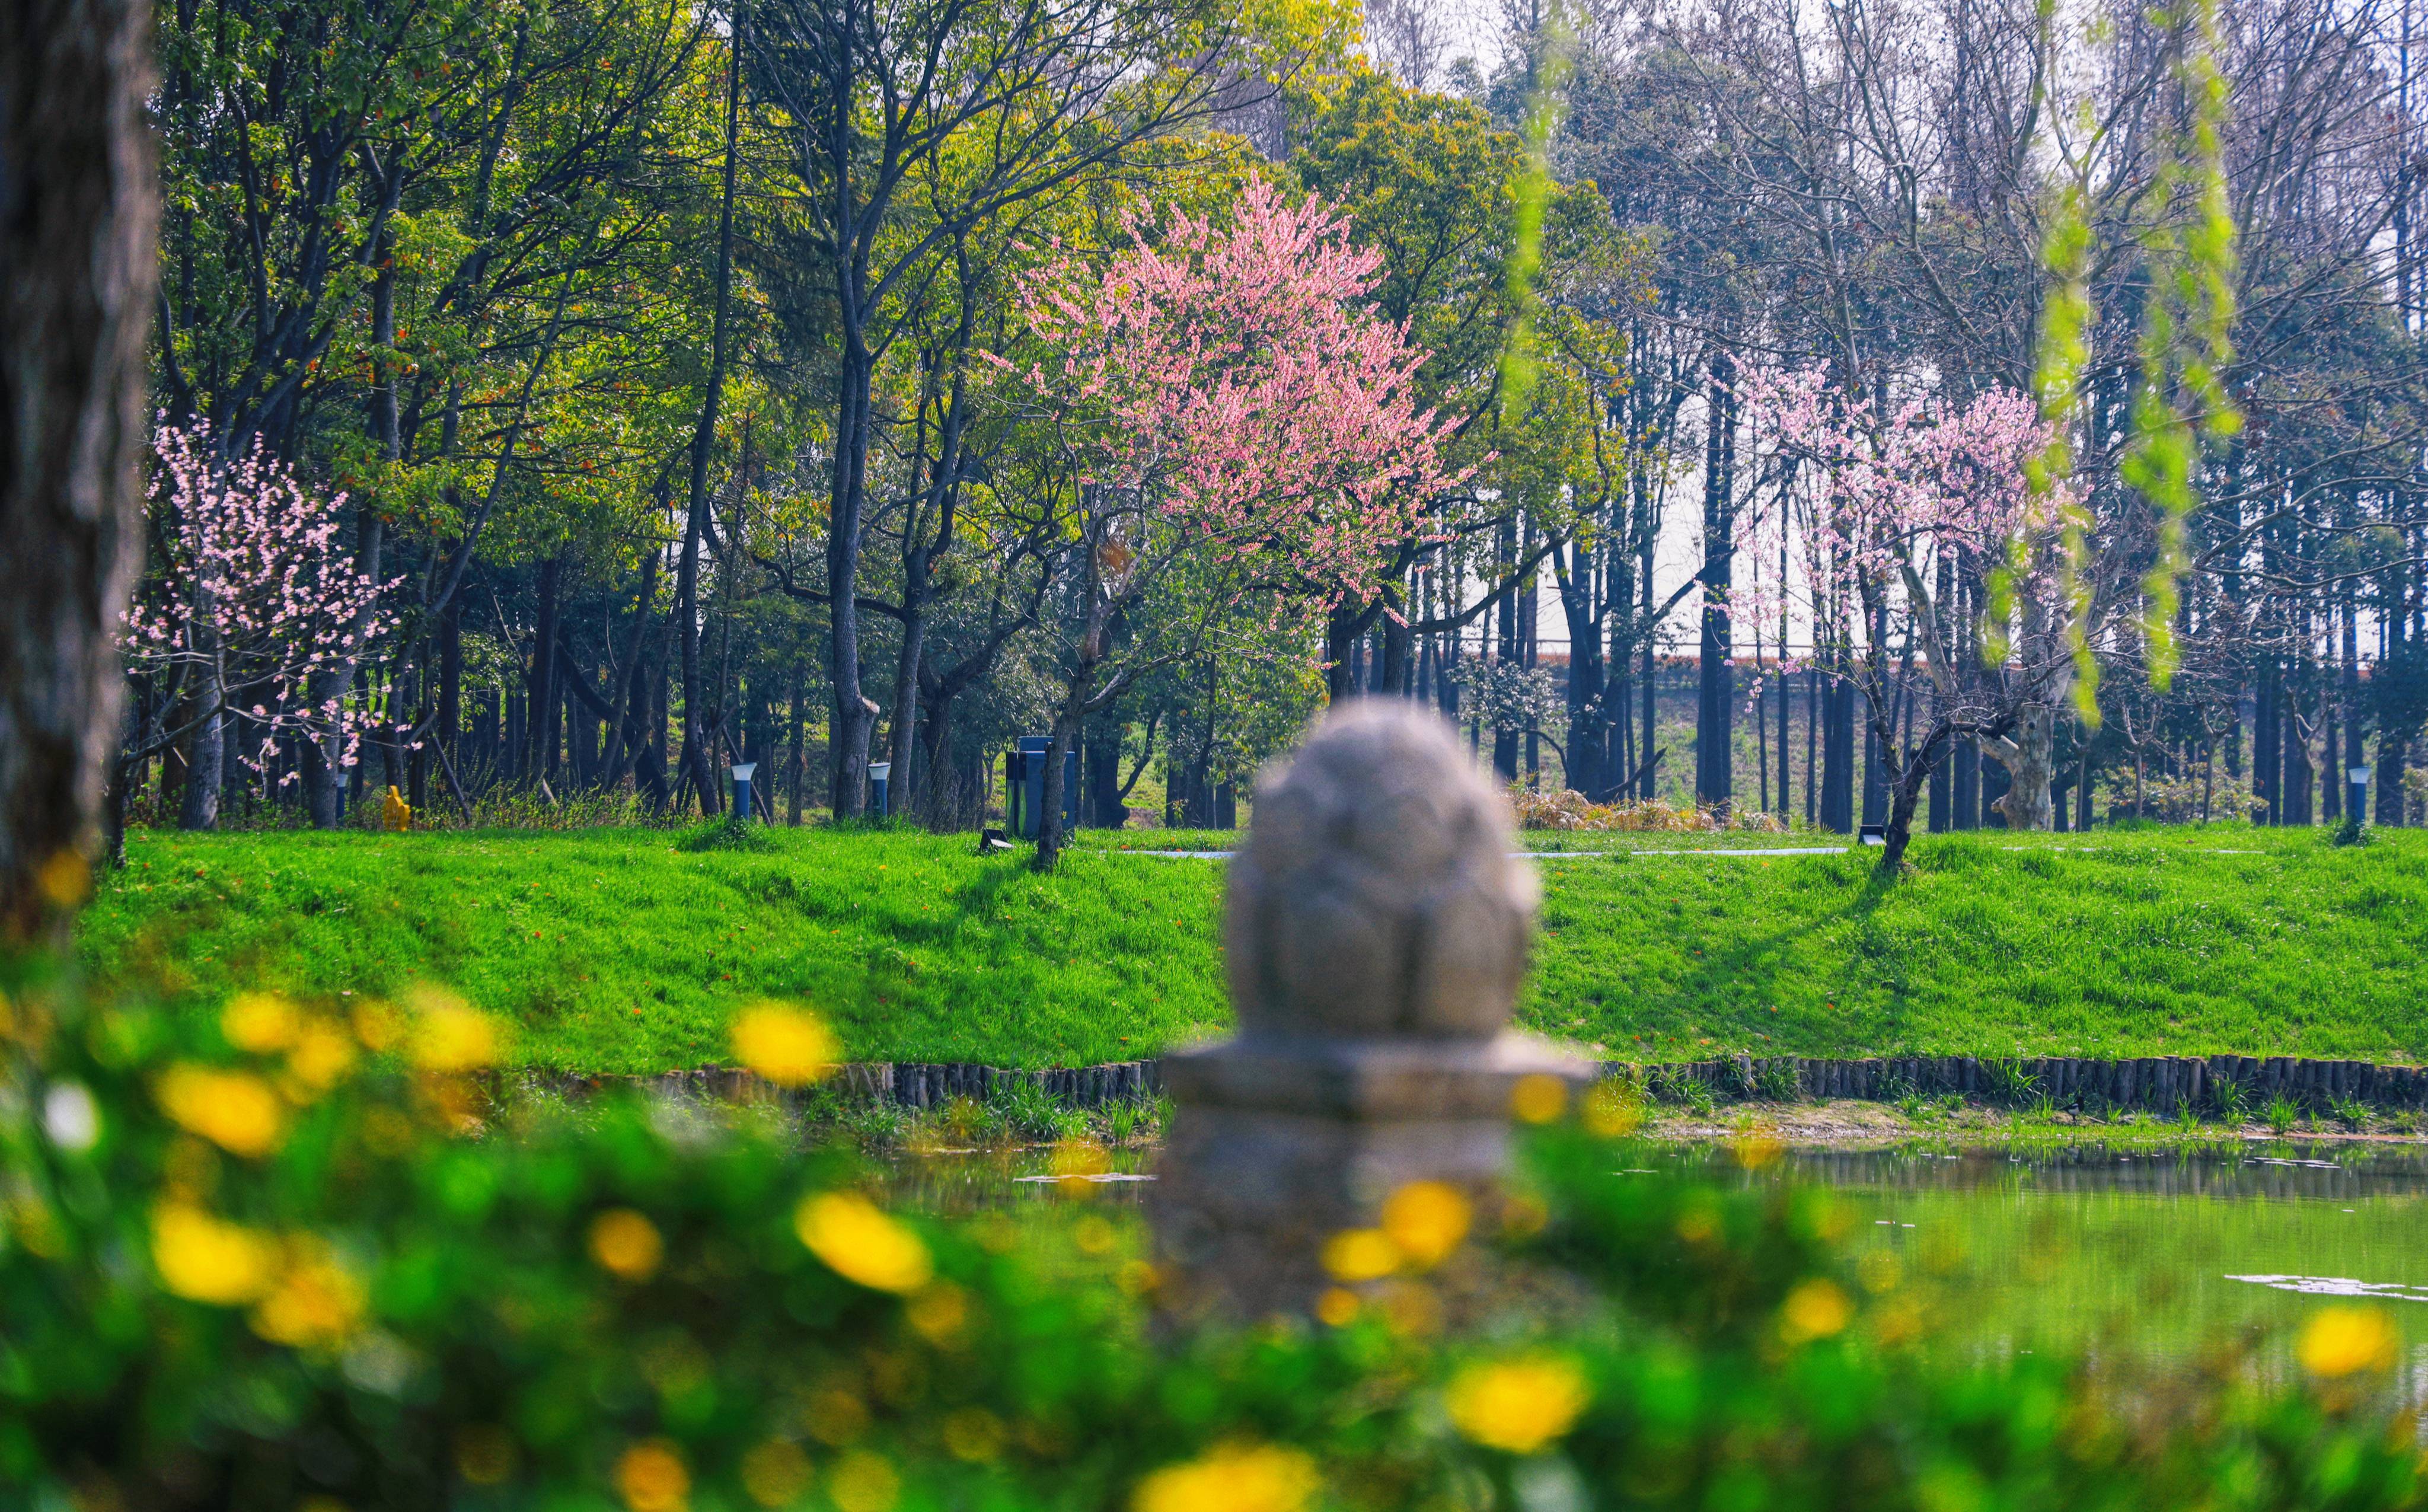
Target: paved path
(1544, 855)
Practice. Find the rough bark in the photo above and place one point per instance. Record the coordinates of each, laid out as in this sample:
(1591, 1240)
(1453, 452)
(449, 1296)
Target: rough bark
(2029, 756)
(78, 206)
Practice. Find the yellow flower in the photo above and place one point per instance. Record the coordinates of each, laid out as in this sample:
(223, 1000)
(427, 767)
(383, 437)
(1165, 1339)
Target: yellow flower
(1612, 1111)
(378, 1025)
(651, 1478)
(863, 1481)
(1337, 1306)
(316, 1303)
(1518, 1405)
(234, 1109)
(1815, 1310)
(2342, 1341)
(859, 1244)
(1360, 1255)
(207, 1260)
(259, 1022)
(1757, 1148)
(322, 1055)
(484, 1454)
(939, 1313)
(451, 1037)
(1539, 1098)
(1426, 1220)
(626, 1244)
(1233, 1478)
(776, 1473)
(789, 1046)
(974, 1435)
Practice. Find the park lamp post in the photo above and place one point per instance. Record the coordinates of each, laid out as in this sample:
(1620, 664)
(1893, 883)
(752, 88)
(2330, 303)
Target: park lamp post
(2358, 809)
(343, 775)
(879, 778)
(742, 771)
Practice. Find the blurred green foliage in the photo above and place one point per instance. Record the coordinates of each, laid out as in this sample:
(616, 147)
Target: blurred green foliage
(276, 1259)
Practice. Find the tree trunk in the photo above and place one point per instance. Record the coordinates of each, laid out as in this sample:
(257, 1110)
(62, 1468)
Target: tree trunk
(1049, 819)
(79, 203)
(696, 756)
(1714, 779)
(206, 747)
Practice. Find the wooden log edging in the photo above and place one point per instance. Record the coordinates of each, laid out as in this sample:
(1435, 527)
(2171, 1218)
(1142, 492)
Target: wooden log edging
(2159, 1083)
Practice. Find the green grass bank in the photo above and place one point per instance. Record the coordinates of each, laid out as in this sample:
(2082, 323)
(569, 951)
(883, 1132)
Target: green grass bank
(615, 951)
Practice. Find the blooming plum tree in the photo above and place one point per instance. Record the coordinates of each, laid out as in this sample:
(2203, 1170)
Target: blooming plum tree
(254, 600)
(1878, 514)
(1218, 413)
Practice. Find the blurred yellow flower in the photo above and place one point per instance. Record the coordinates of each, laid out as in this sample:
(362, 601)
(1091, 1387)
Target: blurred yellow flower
(207, 1259)
(1539, 1098)
(1757, 1147)
(776, 1473)
(2344, 1341)
(789, 1047)
(1612, 1110)
(1360, 1255)
(316, 1302)
(378, 1025)
(1817, 1309)
(1426, 1220)
(626, 1244)
(451, 1037)
(650, 1477)
(1233, 1478)
(1337, 1306)
(234, 1109)
(1518, 1405)
(939, 1313)
(863, 1481)
(834, 1417)
(484, 1454)
(973, 1434)
(859, 1244)
(321, 1056)
(259, 1022)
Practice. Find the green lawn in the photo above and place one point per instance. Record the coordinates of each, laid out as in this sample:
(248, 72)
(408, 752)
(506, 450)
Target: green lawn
(617, 952)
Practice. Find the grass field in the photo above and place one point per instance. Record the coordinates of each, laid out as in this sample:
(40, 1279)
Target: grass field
(614, 951)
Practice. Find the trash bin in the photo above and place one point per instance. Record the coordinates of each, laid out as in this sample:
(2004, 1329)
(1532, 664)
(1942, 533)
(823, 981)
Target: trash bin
(1028, 785)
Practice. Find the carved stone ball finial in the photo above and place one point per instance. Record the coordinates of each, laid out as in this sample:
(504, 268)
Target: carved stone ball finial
(1376, 894)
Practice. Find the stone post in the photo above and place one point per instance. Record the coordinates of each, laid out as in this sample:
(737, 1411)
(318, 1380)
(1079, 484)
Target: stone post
(1376, 933)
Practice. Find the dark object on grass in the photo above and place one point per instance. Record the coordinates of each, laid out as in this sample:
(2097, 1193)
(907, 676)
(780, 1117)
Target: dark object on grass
(992, 841)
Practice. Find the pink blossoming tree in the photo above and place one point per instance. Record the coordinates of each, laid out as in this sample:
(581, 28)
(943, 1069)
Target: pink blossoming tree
(1219, 415)
(1877, 515)
(255, 600)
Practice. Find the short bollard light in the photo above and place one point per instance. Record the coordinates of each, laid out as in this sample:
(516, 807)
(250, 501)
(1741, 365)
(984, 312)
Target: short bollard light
(344, 776)
(2359, 807)
(742, 771)
(880, 775)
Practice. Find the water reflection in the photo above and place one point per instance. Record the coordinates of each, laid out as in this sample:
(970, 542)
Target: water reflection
(2121, 1254)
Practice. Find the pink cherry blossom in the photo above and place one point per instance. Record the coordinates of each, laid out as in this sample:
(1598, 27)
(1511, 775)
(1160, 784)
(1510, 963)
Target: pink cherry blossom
(1236, 375)
(254, 588)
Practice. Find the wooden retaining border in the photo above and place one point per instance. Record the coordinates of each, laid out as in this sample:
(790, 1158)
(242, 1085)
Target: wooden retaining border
(2161, 1083)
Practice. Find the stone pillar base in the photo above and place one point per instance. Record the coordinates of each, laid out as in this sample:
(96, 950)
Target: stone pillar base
(1277, 1143)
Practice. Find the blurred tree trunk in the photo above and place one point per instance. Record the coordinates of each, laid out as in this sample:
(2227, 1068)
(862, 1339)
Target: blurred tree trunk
(78, 205)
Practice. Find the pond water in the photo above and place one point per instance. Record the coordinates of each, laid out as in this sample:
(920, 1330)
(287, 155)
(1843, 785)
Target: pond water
(2130, 1253)
(2141, 1254)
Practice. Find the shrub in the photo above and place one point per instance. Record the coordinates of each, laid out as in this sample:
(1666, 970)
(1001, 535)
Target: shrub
(345, 1278)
